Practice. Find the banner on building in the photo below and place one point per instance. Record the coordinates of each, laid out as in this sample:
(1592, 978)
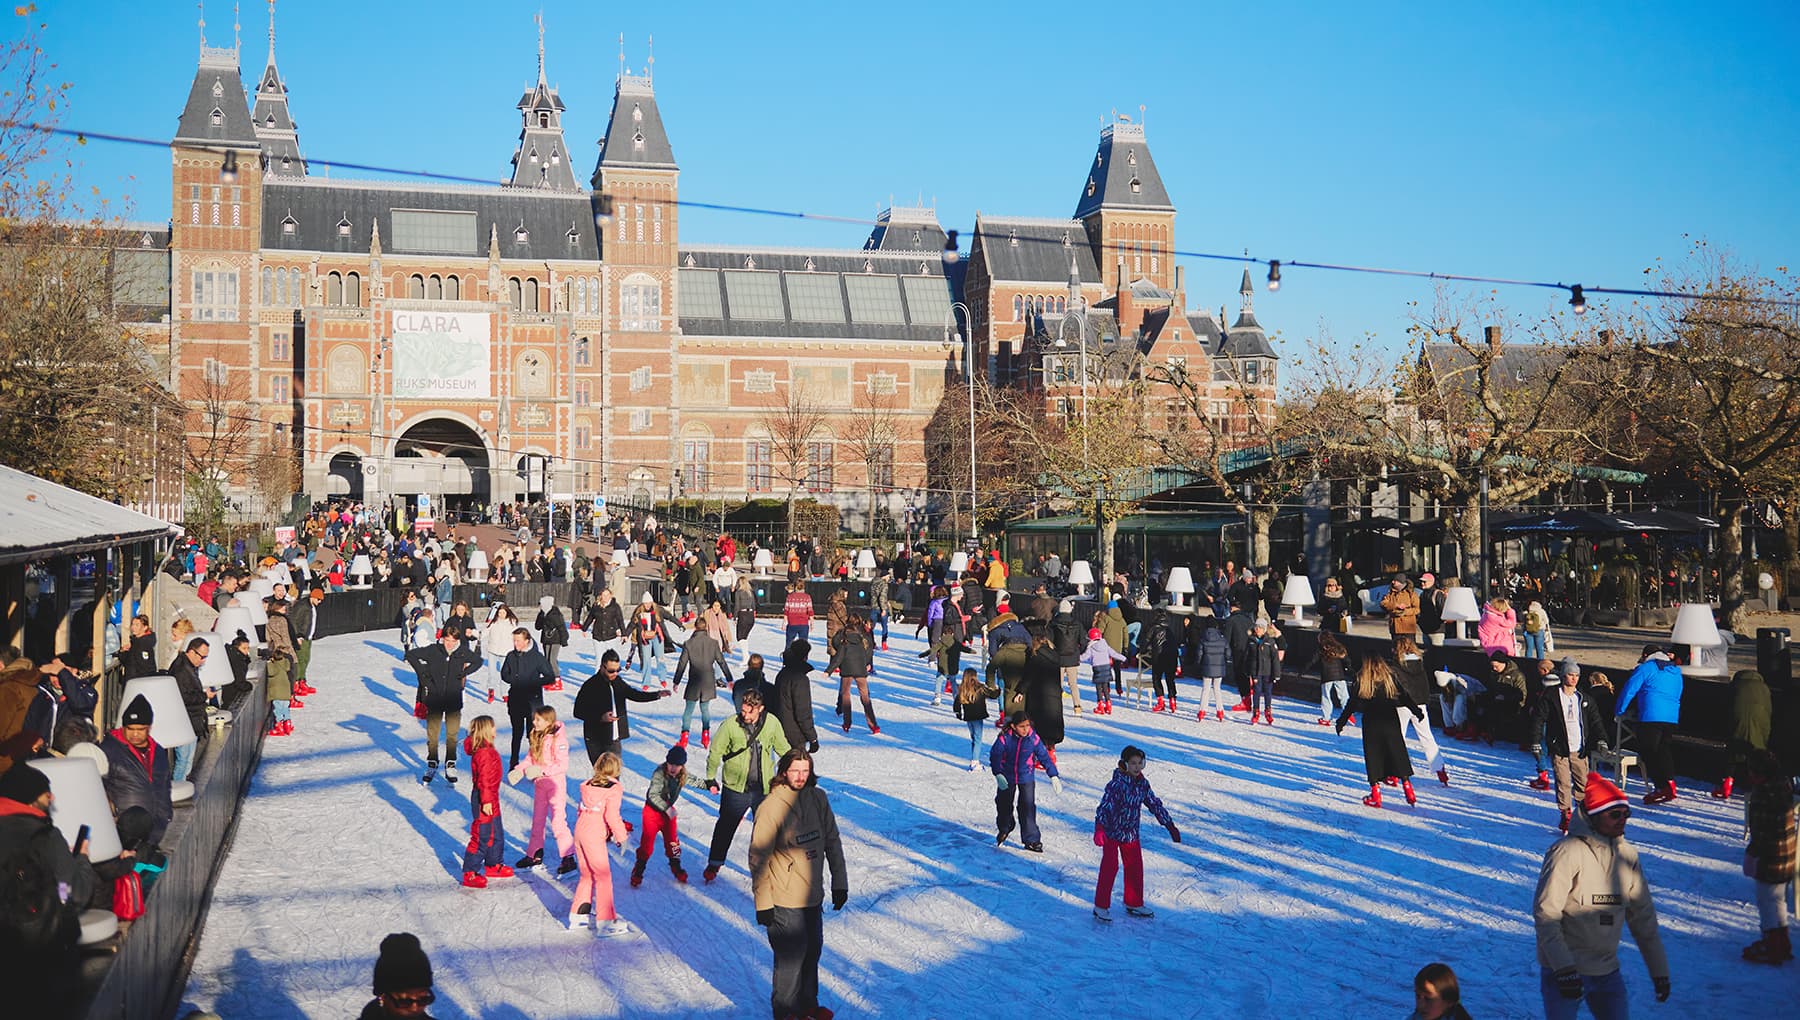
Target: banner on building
(442, 356)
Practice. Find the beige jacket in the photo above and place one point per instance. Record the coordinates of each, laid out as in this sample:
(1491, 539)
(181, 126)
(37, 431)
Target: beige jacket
(795, 836)
(1590, 889)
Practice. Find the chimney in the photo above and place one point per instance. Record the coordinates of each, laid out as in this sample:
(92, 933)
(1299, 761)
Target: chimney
(1492, 335)
(1178, 285)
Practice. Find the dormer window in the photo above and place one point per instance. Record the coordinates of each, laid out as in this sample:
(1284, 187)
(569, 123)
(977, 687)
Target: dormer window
(289, 226)
(924, 269)
(144, 241)
(1012, 238)
(689, 261)
(638, 139)
(1131, 156)
(637, 114)
(543, 120)
(1090, 189)
(809, 263)
(918, 238)
(555, 157)
(269, 121)
(749, 262)
(574, 237)
(1066, 242)
(1136, 186)
(287, 163)
(218, 117)
(218, 88)
(868, 265)
(532, 155)
(343, 226)
(521, 235)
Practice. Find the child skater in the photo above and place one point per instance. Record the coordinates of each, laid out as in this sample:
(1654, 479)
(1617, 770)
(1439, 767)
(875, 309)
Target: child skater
(487, 838)
(1116, 833)
(1769, 859)
(971, 707)
(597, 820)
(659, 815)
(548, 769)
(1100, 656)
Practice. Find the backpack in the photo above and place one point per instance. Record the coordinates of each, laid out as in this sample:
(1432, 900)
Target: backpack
(32, 917)
(128, 896)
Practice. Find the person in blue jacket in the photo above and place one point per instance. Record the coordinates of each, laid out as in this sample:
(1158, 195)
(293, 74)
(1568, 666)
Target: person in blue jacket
(1654, 688)
(1116, 823)
(1014, 758)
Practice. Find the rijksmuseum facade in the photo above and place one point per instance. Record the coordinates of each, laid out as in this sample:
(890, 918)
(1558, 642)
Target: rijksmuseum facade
(550, 335)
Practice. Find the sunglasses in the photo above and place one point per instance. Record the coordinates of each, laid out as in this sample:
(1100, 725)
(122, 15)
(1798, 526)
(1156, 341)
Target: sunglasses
(1620, 813)
(409, 1001)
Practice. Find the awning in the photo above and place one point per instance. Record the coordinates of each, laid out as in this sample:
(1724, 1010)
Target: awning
(40, 518)
(1588, 522)
(1159, 524)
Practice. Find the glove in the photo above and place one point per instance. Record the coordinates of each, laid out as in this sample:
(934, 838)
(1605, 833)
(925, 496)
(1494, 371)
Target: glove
(1174, 834)
(418, 710)
(812, 747)
(1340, 726)
(1056, 784)
(1099, 836)
(1662, 989)
(765, 917)
(712, 787)
(1568, 983)
(1000, 782)
(516, 773)
(1418, 715)
(839, 897)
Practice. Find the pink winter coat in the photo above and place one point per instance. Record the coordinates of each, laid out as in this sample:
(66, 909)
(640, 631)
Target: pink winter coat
(553, 757)
(600, 809)
(1496, 631)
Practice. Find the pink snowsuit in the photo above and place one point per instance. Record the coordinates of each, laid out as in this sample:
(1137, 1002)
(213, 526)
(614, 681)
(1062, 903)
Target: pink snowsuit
(550, 794)
(1496, 631)
(597, 819)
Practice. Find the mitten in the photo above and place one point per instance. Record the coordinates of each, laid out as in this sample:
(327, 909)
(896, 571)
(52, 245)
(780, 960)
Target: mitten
(839, 897)
(1000, 782)
(1662, 989)
(1099, 836)
(1056, 784)
(1174, 834)
(765, 917)
(1568, 983)
(516, 773)
(812, 747)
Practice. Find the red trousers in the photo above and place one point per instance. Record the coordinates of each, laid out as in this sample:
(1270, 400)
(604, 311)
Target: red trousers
(654, 822)
(1133, 853)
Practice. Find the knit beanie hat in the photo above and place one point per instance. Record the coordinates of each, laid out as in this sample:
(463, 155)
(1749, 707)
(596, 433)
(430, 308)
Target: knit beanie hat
(1567, 666)
(1601, 795)
(677, 755)
(137, 713)
(23, 783)
(402, 964)
(546, 602)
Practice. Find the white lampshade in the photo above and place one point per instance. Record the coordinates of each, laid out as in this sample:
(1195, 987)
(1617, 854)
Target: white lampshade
(1298, 591)
(1080, 573)
(260, 588)
(622, 558)
(360, 567)
(216, 670)
(1694, 626)
(865, 560)
(477, 560)
(1181, 581)
(1460, 607)
(279, 574)
(763, 562)
(259, 613)
(233, 619)
(79, 798)
(959, 562)
(169, 725)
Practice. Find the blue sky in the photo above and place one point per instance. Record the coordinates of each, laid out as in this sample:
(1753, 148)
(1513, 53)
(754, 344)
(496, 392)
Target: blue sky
(1576, 142)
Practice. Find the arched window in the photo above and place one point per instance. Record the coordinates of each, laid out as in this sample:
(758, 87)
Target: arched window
(1062, 305)
(696, 459)
(287, 286)
(353, 290)
(513, 297)
(452, 288)
(334, 289)
(543, 120)
(593, 296)
(529, 291)
(640, 302)
(434, 288)
(1018, 308)
(415, 286)
(268, 285)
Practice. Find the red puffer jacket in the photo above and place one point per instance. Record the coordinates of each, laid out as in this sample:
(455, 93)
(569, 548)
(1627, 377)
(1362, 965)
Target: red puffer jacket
(485, 763)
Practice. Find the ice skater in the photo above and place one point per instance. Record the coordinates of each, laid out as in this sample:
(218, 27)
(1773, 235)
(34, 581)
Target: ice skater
(547, 766)
(1099, 657)
(1379, 698)
(666, 784)
(597, 821)
(972, 708)
(1116, 822)
(484, 858)
(1769, 859)
(1015, 782)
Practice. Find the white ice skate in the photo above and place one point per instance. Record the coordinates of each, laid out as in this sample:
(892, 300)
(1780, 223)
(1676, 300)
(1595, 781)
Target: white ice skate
(974, 765)
(450, 773)
(580, 922)
(612, 929)
(1140, 911)
(1103, 915)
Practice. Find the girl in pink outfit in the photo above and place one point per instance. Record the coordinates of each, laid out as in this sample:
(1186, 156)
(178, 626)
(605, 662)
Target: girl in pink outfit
(597, 820)
(548, 769)
(1498, 621)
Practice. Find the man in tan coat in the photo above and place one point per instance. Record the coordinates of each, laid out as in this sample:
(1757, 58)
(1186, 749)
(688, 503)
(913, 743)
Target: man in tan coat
(1591, 888)
(1402, 605)
(796, 836)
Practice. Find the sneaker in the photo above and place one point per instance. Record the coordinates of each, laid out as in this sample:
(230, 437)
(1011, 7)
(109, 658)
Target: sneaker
(1103, 915)
(936, 700)
(1140, 911)
(500, 871)
(612, 929)
(474, 880)
(1036, 848)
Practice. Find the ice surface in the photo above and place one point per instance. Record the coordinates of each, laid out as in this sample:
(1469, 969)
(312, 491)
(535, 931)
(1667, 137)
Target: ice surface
(1287, 897)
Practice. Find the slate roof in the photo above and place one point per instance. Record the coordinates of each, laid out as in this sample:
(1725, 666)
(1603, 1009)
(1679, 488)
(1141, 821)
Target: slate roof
(1123, 157)
(274, 125)
(1518, 365)
(1246, 339)
(812, 285)
(317, 205)
(635, 137)
(906, 229)
(217, 86)
(40, 518)
(1042, 253)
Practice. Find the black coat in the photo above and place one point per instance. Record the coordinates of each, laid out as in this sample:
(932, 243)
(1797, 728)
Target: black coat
(752, 680)
(26, 832)
(599, 696)
(1384, 745)
(461, 624)
(552, 628)
(609, 622)
(793, 704)
(139, 657)
(525, 674)
(1042, 686)
(853, 655)
(442, 675)
(139, 780)
(1413, 677)
(1215, 658)
(1547, 712)
(193, 692)
(1237, 631)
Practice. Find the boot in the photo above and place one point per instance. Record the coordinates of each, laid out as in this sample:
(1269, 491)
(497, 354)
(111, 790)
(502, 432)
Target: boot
(476, 880)
(1159, 705)
(529, 861)
(1724, 790)
(1775, 947)
(566, 865)
(675, 867)
(1406, 786)
(1392, 781)
(1173, 710)
(684, 739)
(1661, 795)
(500, 871)
(296, 703)
(1269, 718)
(1542, 782)
(637, 873)
(1563, 825)
(706, 736)
(1221, 714)
(1444, 776)
(1374, 797)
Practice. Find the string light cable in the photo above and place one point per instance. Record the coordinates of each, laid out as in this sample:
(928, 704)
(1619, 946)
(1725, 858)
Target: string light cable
(1577, 292)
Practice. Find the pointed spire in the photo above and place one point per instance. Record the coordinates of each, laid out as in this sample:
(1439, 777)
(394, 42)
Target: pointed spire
(649, 56)
(237, 29)
(274, 124)
(542, 159)
(202, 6)
(540, 27)
(493, 242)
(1248, 290)
(375, 234)
(271, 31)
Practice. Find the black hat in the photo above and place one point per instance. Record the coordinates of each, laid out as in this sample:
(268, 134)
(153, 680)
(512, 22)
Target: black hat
(23, 783)
(1016, 718)
(677, 755)
(137, 713)
(402, 964)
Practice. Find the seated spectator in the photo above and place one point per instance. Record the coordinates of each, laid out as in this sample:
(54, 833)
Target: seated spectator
(138, 769)
(39, 931)
(238, 653)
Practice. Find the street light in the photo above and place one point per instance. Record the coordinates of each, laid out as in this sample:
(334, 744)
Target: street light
(1080, 315)
(969, 376)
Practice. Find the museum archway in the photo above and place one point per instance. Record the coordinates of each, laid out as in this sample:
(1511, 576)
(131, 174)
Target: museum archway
(446, 459)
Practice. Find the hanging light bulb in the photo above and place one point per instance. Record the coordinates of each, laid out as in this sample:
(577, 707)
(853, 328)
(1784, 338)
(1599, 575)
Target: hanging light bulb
(603, 213)
(1577, 301)
(228, 170)
(1275, 274)
(951, 254)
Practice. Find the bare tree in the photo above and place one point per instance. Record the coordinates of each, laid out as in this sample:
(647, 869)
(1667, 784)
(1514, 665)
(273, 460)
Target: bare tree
(1006, 472)
(221, 438)
(792, 423)
(870, 433)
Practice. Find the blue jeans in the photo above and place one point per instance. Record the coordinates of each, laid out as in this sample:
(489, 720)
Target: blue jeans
(687, 715)
(650, 660)
(1540, 753)
(280, 709)
(487, 840)
(795, 632)
(184, 760)
(977, 729)
(1334, 697)
(1534, 644)
(1131, 633)
(883, 620)
(1605, 996)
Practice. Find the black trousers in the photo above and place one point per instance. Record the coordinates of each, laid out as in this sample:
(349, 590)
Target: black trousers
(732, 805)
(1653, 745)
(596, 748)
(520, 714)
(1162, 678)
(797, 935)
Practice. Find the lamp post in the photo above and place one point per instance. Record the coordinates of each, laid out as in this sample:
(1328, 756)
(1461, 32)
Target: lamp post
(950, 331)
(1080, 316)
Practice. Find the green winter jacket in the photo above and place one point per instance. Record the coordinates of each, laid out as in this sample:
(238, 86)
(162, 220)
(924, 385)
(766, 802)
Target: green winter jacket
(731, 748)
(1750, 711)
